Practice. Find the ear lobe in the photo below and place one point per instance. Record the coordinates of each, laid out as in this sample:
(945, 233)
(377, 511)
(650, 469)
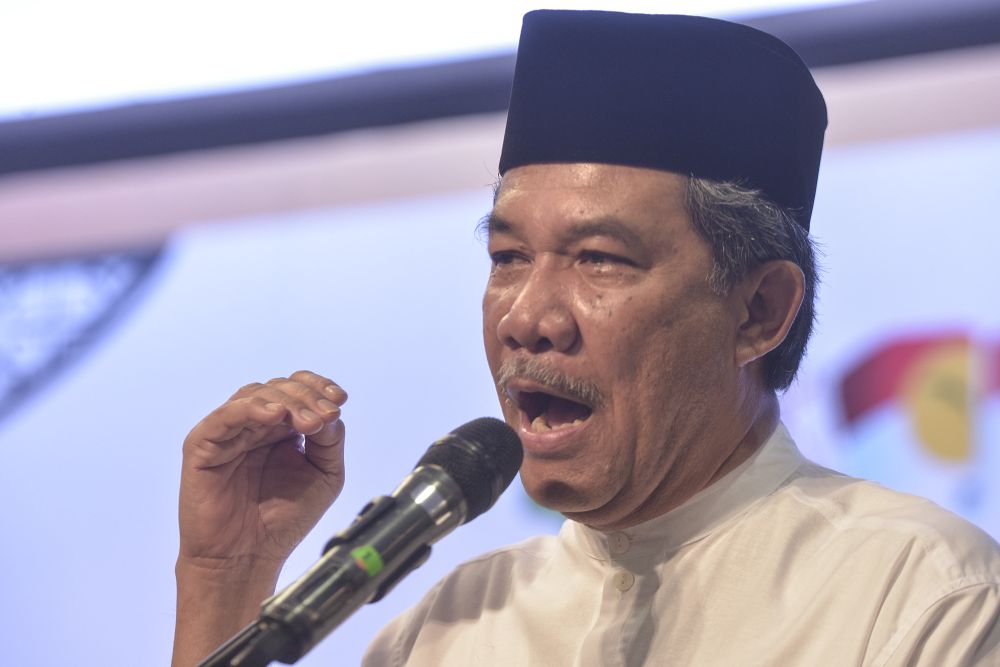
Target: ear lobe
(772, 294)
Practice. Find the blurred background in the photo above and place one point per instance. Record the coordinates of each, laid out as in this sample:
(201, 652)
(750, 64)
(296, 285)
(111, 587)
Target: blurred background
(198, 195)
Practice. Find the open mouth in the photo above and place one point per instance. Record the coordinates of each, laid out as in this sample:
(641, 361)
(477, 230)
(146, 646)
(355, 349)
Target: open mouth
(547, 412)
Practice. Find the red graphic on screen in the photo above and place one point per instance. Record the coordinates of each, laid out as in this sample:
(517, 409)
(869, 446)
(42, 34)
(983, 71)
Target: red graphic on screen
(938, 380)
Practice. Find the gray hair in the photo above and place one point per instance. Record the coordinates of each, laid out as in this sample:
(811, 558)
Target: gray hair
(744, 230)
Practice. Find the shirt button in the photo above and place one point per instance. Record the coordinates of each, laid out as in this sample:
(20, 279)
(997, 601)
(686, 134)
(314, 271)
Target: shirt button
(618, 543)
(624, 580)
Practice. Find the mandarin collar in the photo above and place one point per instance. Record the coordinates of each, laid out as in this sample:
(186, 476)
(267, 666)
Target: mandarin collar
(733, 495)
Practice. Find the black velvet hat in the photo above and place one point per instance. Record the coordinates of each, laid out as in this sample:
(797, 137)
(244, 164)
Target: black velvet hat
(692, 95)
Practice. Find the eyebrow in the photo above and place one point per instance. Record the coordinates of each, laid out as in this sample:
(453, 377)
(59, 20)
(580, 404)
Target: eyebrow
(607, 227)
(494, 224)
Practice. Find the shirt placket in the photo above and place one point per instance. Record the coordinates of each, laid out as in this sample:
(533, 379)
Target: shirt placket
(628, 586)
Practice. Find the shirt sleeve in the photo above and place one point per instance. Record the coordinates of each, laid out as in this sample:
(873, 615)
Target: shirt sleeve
(962, 629)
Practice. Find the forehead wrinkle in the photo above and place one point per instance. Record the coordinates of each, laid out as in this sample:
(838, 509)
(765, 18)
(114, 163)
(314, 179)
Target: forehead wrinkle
(607, 227)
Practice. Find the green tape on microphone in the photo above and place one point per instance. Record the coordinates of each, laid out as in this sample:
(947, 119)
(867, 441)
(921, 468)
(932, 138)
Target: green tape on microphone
(368, 559)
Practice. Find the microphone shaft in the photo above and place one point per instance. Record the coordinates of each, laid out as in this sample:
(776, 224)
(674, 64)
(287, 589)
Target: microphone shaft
(366, 559)
(459, 477)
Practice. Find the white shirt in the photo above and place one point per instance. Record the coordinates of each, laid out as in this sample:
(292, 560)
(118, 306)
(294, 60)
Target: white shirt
(781, 562)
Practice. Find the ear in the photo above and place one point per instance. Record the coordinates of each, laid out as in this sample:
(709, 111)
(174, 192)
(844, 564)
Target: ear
(770, 297)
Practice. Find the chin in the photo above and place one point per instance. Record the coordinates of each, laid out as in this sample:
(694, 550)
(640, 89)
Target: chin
(563, 496)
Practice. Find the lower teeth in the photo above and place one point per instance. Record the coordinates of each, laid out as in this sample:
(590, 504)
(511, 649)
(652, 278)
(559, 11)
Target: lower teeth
(540, 425)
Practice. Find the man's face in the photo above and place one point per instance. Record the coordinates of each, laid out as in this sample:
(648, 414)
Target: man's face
(612, 355)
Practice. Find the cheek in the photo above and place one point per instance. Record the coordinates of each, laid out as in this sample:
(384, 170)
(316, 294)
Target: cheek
(492, 312)
(640, 337)
(602, 307)
(674, 359)
(608, 322)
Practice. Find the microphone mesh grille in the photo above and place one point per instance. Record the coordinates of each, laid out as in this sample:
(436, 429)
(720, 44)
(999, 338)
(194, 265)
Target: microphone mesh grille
(482, 458)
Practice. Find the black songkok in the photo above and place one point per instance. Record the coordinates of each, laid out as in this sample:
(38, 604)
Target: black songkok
(692, 95)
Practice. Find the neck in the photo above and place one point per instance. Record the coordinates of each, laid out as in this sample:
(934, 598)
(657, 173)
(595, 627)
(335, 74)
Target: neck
(752, 424)
(763, 422)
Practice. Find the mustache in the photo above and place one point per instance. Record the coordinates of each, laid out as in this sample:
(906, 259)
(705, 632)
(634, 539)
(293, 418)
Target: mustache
(577, 389)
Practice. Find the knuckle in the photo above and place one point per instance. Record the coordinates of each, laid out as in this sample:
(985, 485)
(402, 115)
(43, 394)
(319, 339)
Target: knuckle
(284, 393)
(255, 399)
(312, 380)
(246, 389)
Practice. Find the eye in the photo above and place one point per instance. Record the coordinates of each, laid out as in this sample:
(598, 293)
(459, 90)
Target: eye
(593, 257)
(608, 268)
(503, 257)
(507, 265)
(600, 259)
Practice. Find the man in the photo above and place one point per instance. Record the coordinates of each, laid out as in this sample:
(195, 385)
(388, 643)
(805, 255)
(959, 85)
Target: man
(651, 290)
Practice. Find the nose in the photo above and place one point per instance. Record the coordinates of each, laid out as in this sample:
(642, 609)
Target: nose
(540, 316)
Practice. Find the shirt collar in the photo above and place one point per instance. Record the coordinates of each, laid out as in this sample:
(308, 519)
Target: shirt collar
(733, 495)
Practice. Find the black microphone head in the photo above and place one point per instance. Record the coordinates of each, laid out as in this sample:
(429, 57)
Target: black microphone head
(482, 458)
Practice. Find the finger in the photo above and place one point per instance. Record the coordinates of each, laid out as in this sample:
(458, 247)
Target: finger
(260, 435)
(246, 390)
(302, 384)
(325, 450)
(304, 415)
(235, 427)
(315, 400)
(226, 421)
(330, 389)
(331, 434)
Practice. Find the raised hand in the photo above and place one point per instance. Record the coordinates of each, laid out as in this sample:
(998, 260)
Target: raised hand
(258, 473)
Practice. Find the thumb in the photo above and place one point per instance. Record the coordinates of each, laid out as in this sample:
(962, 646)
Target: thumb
(325, 449)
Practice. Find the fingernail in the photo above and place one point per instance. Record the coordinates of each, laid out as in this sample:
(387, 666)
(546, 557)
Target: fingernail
(332, 389)
(308, 415)
(327, 406)
(273, 407)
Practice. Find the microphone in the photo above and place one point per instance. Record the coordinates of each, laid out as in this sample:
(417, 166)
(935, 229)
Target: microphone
(457, 479)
